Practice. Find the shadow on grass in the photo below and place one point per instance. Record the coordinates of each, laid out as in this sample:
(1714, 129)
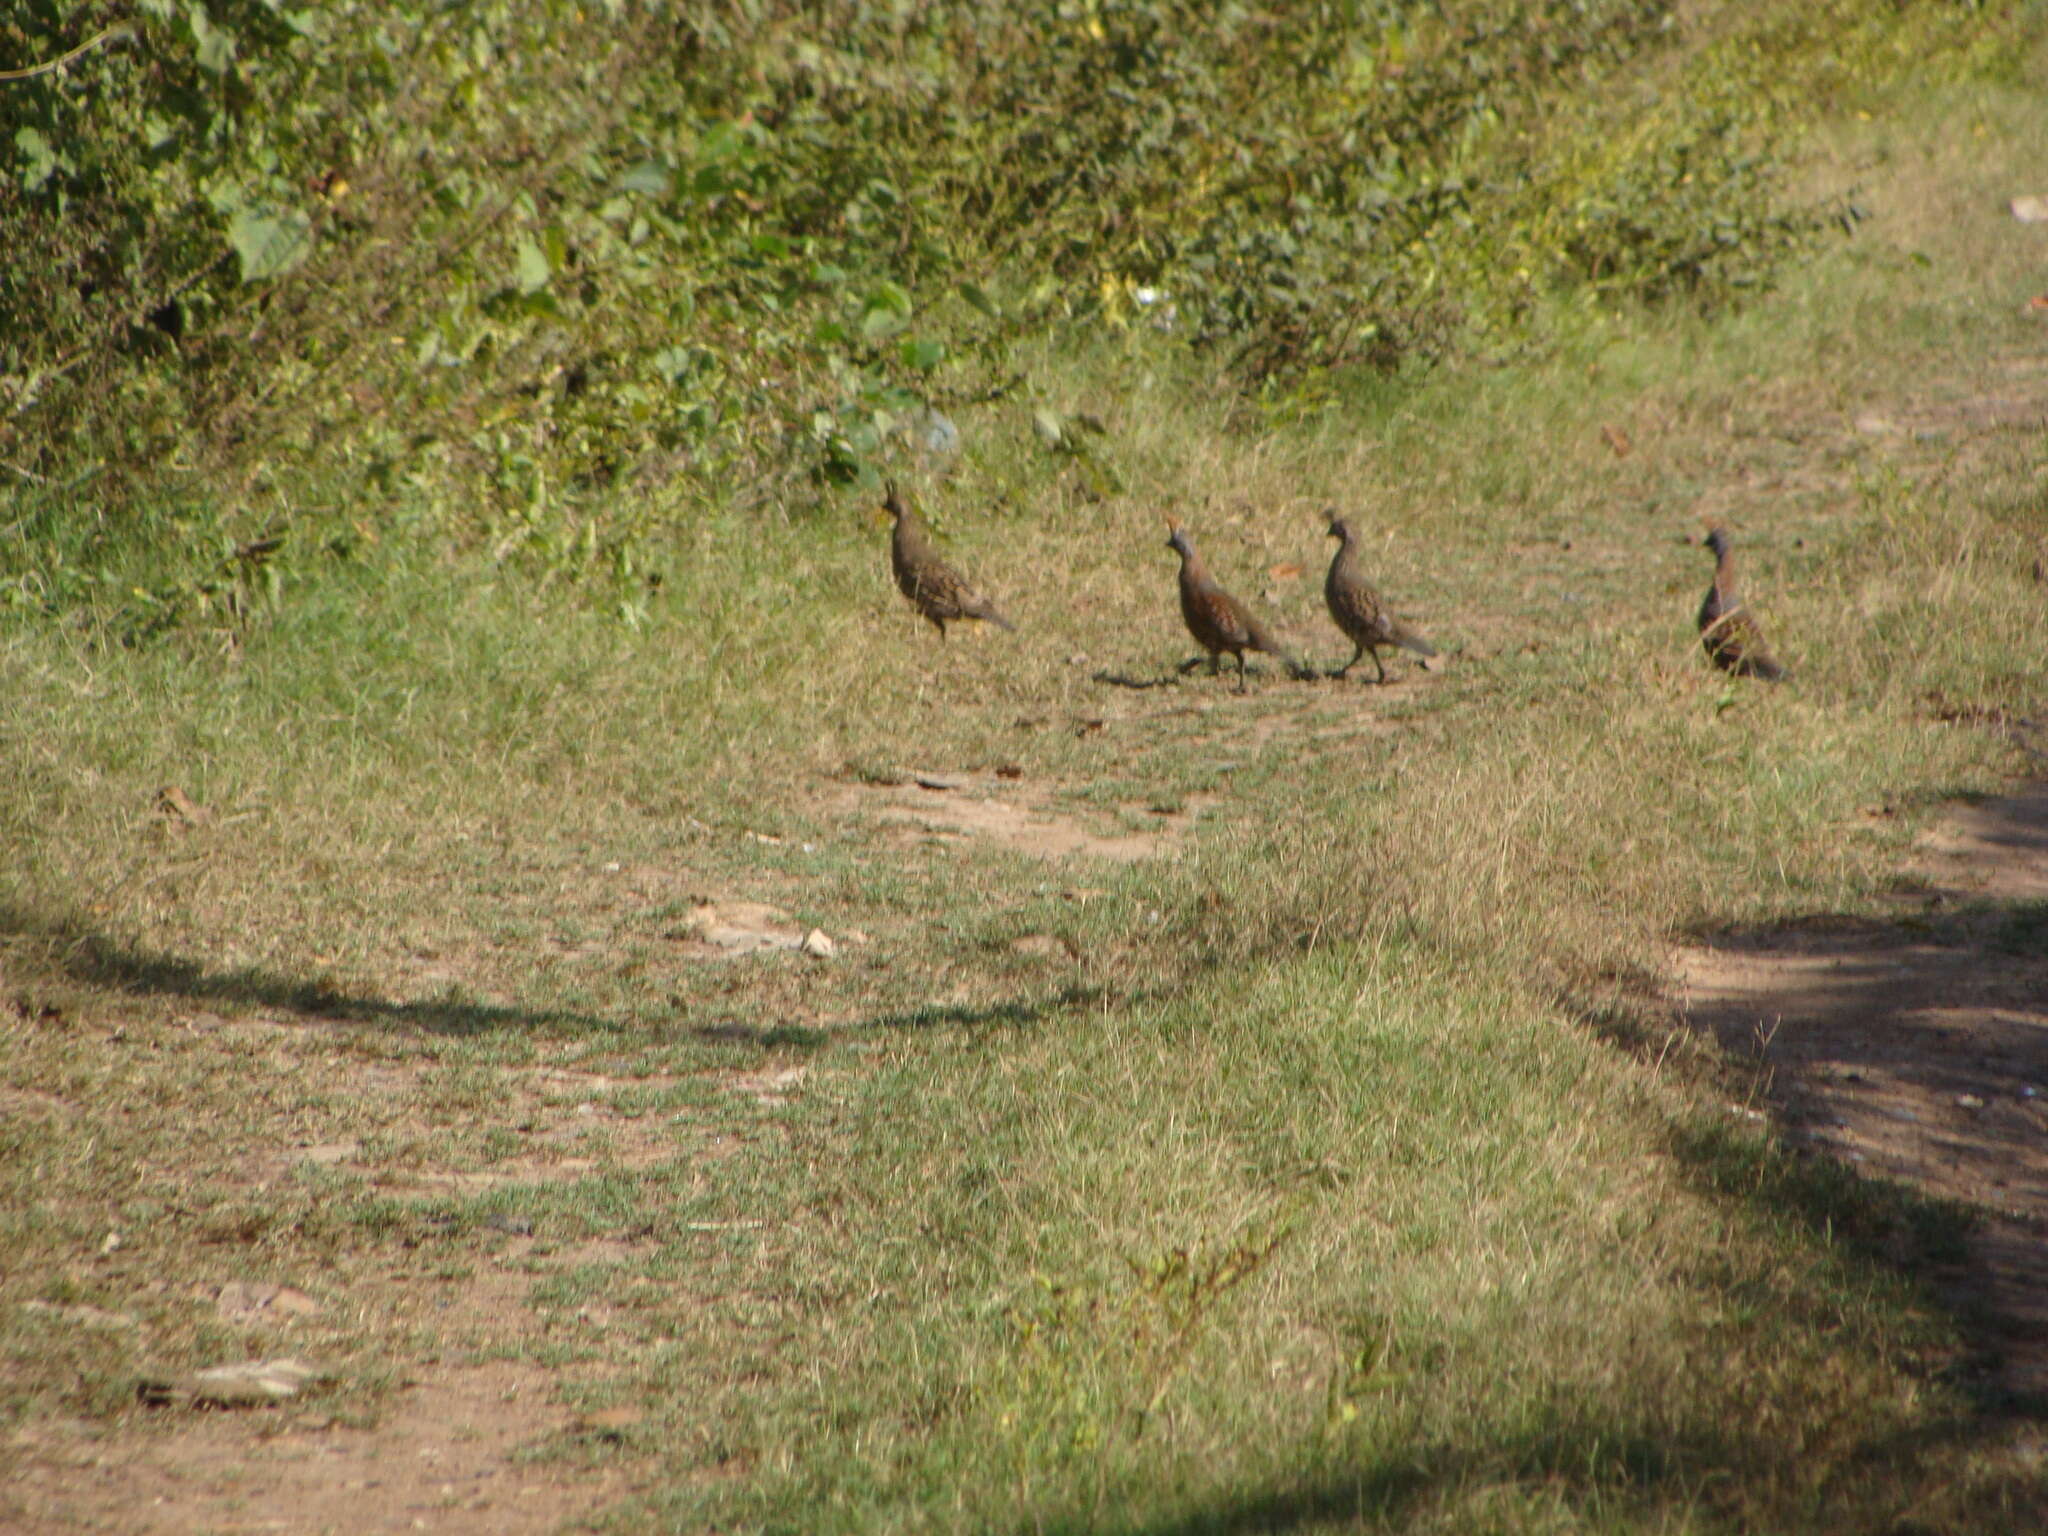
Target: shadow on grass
(1009, 1013)
(1619, 1474)
(1905, 1063)
(92, 959)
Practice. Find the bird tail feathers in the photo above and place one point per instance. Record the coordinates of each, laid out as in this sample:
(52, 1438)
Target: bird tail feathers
(1408, 640)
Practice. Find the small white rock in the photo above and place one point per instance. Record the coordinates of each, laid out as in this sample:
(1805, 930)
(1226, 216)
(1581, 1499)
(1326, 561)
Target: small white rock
(818, 945)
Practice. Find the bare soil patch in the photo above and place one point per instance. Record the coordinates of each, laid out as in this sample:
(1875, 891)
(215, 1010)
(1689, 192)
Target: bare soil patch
(1917, 1049)
(441, 1459)
(991, 811)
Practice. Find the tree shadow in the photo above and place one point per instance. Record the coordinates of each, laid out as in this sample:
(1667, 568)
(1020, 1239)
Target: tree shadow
(1734, 1472)
(91, 958)
(1011, 1013)
(1904, 1060)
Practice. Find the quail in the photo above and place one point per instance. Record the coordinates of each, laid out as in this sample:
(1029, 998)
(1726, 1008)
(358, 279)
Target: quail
(1218, 621)
(934, 588)
(1357, 608)
(1732, 638)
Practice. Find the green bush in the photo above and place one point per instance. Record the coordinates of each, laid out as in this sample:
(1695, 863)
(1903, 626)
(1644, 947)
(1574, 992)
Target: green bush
(512, 257)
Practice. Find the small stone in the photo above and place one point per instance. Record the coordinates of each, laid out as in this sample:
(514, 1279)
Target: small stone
(818, 945)
(2030, 210)
(1969, 1101)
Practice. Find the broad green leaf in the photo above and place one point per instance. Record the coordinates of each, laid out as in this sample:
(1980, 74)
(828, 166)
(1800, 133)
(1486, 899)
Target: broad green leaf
(878, 323)
(977, 295)
(675, 363)
(885, 311)
(35, 149)
(894, 296)
(721, 142)
(532, 272)
(923, 355)
(649, 176)
(269, 241)
(216, 45)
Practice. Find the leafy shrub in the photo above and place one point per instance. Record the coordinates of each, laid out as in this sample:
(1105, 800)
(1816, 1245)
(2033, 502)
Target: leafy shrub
(514, 256)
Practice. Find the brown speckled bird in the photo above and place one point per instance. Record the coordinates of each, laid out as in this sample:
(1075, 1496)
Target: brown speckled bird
(1218, 621)
(1357, 608)
(1732, 638)
(934, 588)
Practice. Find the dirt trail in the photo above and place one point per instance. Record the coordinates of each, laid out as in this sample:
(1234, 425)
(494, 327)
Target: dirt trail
(1917, 1049)
(445, 1459)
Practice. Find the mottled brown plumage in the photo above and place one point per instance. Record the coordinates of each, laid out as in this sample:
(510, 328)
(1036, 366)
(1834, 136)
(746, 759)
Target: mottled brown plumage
(1218, 621)
(1357, 608)
(1733, 640)
(934, 588)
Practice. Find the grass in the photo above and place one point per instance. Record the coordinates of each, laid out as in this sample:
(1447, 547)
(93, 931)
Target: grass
(1335, 1169)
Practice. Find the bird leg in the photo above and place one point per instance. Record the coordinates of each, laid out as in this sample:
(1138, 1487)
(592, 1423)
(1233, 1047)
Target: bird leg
(1240, 672)
(1345, 670)
(1380, 664)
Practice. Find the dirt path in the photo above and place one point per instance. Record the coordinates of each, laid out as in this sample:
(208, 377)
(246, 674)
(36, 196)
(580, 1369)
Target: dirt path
(1917, 1049)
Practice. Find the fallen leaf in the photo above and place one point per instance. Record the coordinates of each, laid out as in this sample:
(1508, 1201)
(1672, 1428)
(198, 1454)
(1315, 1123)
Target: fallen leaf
(938, 780)
(2038, 302)
(1287, 570)
(1009, 771)
(1618, 441)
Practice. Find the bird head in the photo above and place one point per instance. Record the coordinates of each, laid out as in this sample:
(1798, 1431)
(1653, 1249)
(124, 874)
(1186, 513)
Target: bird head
(1339, 529)
(1716, 539)
(892, 500)
(1177, 537)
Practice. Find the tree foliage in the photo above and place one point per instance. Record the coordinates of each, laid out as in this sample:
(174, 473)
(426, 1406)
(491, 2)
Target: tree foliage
(537, 248)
